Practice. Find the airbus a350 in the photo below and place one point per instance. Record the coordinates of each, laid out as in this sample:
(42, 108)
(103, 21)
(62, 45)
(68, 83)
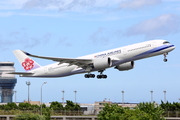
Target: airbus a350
(121, 58)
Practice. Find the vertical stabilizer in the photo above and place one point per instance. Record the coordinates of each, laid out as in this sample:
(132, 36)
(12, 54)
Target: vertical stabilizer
(26, 62)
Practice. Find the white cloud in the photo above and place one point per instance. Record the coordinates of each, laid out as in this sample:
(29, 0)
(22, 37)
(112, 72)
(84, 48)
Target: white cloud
(41, 14)
(103, 36)
(63, 41)
(6, 14)
(100, 36)
(46, 7)
(71, 5)
(74, 5)
(61, 5)
(11, 4)
(22, 39)
(134, 4)
(171, 0)
(50, 8)
(156, 27)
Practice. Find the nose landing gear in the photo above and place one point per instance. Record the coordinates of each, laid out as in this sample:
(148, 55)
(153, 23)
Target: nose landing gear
(165, 54)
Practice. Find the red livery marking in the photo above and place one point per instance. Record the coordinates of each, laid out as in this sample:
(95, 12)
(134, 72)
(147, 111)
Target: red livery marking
(28, 64)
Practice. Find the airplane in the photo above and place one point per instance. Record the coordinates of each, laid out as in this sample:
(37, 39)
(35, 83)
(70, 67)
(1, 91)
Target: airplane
(121, 58)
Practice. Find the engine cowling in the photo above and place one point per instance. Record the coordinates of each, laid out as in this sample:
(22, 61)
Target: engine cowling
(102, 63)
(125, 66)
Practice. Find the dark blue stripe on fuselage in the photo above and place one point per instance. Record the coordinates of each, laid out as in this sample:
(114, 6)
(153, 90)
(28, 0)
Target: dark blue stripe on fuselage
(143, 55)
(155, 50)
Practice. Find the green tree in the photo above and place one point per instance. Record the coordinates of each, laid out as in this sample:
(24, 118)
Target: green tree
(144, 111)
(71, 106)
(12, 106)
(35, 107)
(1, 107)
(25, 106)
(77, 107)
(46, 113)
(9, 106)
(56, 106)
(111, 112)
(43, 105)
(134, 115)
(6, 107)
(152, 109)
(177, 106)
(169, 106)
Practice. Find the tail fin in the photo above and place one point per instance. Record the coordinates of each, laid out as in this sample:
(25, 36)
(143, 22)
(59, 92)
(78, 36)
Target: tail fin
(26, 62)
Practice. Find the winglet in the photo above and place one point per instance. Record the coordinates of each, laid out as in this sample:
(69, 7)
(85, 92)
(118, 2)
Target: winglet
(26, 53)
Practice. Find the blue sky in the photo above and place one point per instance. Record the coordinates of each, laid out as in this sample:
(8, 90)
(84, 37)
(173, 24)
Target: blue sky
(73, 28)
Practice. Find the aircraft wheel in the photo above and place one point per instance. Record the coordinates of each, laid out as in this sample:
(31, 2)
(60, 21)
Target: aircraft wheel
(105, 76)
(91, 75)
(99, 76)
(86, 76)
(165, 60)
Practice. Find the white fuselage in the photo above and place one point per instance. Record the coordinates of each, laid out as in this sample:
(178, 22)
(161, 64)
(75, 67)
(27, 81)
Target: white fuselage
(119, 56)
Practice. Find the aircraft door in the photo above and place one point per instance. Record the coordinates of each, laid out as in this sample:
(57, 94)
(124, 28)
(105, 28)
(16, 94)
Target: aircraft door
(124, 51)
(154, 44)
(45, 70)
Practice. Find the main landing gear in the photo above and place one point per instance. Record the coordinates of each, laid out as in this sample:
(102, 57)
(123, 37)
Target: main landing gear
(89, 75)
(101, 75)
(98, 76)
(165, 54)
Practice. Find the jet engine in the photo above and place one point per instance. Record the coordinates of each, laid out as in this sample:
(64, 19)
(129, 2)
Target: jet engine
(125, 66)
(102, 63)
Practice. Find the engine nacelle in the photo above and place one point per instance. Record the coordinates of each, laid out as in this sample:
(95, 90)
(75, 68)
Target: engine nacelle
(125, 66)
(102, 63)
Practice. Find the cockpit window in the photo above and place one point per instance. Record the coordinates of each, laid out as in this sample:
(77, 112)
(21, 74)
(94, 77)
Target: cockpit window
(166, 42)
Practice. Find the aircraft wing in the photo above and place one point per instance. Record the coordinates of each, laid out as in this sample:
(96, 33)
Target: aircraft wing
(72, 61)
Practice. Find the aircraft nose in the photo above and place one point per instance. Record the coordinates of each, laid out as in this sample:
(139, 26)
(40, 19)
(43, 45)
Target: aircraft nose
(173, 47)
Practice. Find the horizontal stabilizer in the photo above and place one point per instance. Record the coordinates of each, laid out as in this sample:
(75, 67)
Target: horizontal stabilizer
(20, 73)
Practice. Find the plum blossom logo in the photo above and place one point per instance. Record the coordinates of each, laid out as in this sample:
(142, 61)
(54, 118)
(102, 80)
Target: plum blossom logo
(28, 64)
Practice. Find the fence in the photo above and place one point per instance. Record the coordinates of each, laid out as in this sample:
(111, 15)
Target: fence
(171, 114)
(53, 112)
(11, 117)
